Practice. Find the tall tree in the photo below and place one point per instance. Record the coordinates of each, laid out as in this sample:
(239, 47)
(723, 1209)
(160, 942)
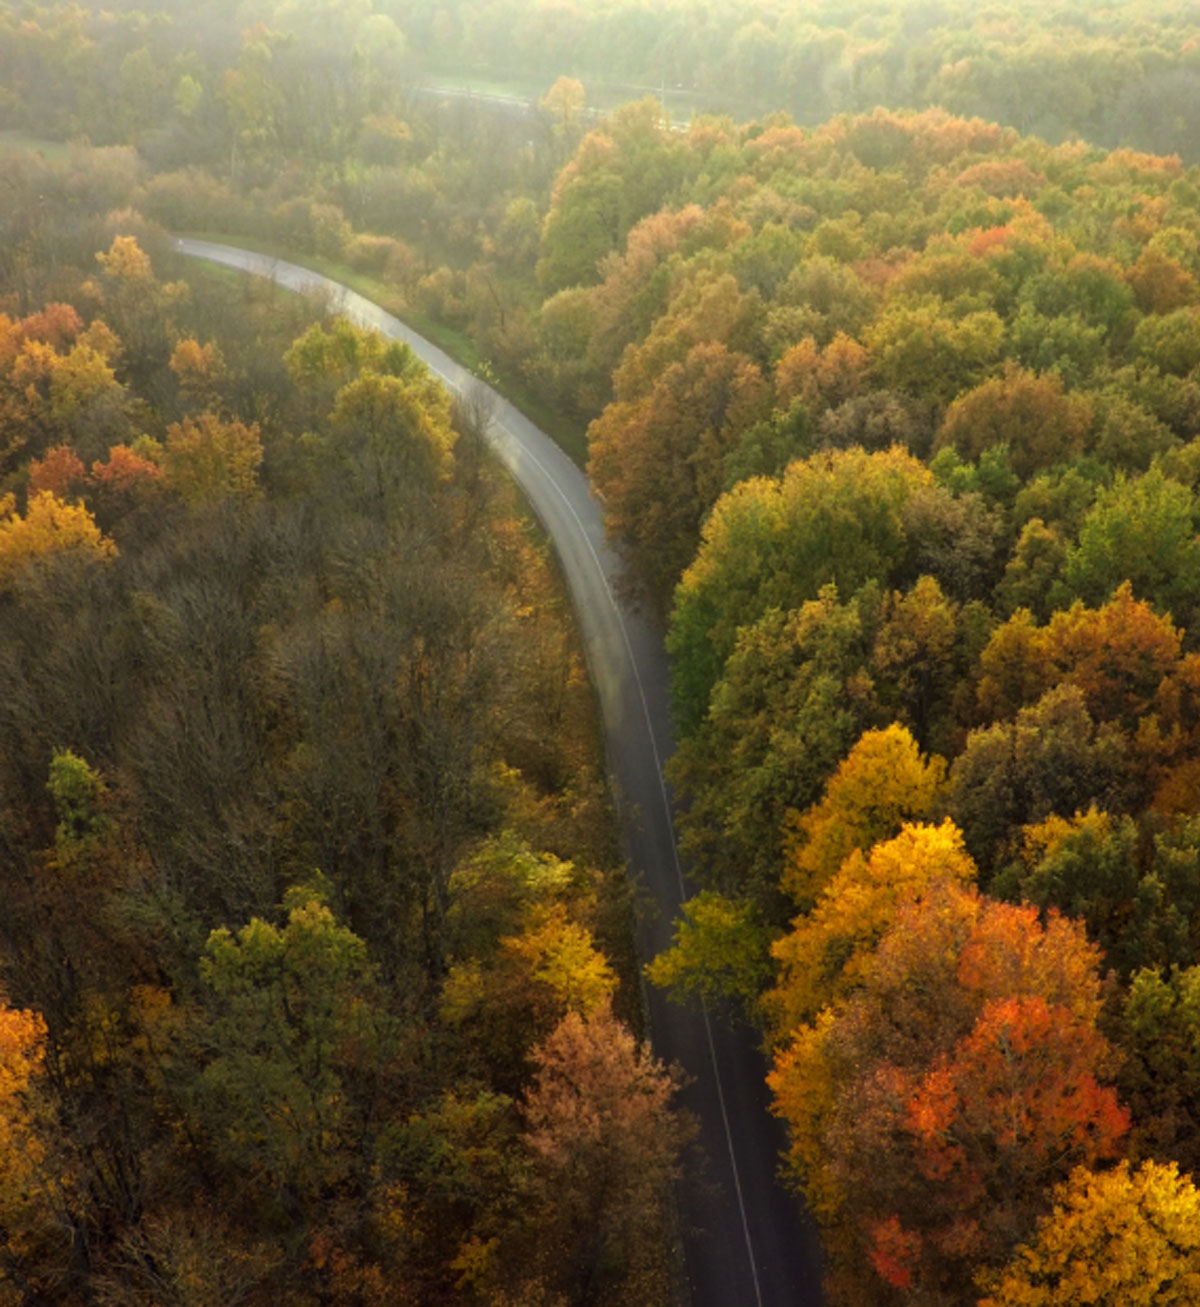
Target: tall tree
(793, 698)
(836, 517)
(828, 952)
(294, 1038)
(605, 1148)
(929, 1108)
(658, 462)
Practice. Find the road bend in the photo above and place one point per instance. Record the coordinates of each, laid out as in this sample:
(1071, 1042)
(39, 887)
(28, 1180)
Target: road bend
(746, 1243)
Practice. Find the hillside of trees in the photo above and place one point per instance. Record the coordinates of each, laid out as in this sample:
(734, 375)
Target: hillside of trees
(1121, 74)
(896, 414)
(311, 931)
(902, 431)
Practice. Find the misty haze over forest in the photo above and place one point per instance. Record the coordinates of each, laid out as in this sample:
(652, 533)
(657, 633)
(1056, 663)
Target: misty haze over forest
(347, 954)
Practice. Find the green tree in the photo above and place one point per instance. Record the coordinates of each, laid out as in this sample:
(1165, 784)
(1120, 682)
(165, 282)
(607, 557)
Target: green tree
(1032, 574)
(917, 660)
(78, 793)
(1138, 902)
(793, 698)
(1171, 342)
(395, 431)
(1141, 530)
(620, 173)
(1053, 758)
(923, 350)
(833, 518)
(1157, 1027)
(719, 953)
(294, 1034)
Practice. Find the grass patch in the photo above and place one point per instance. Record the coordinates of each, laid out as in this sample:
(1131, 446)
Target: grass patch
(13, 141)
(569, 435)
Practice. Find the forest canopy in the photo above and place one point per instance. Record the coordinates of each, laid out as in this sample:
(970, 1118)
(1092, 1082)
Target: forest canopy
(889, 364)
(312, 932)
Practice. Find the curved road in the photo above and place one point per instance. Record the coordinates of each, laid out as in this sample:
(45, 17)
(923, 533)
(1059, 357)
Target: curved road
(746, 1243)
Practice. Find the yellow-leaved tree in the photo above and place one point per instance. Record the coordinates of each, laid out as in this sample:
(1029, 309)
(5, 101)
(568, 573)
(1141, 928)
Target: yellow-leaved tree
(49, 526)
(516, 993)
(208, 460)
(882, 782)
(1120, 1238)
(830, 951)
(27, 1224)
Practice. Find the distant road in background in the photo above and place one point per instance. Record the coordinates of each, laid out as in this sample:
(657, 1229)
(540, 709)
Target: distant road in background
(507, 102)
(678, 106)
(746, 1243)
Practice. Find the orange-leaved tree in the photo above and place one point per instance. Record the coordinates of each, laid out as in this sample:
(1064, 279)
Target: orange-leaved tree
(605, 1146)
(930, 1107)
(658, 460)
(61, 472)
(33, 1238)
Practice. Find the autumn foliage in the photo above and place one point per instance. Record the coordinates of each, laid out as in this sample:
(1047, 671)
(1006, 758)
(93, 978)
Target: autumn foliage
(1126, 1235)
(896, 419)
(604, 1146)
(965, 1064)
(326, 641)
(47, 528)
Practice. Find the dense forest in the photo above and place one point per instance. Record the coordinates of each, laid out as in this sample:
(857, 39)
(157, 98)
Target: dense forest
(894, 408)
(1123, 73)
(311, 930)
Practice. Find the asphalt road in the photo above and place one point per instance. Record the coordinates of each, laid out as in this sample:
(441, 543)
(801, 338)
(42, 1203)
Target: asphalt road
(745, 1241)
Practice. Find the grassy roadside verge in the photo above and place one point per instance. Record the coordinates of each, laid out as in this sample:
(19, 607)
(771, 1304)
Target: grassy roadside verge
(15, 141)
(570, 436)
